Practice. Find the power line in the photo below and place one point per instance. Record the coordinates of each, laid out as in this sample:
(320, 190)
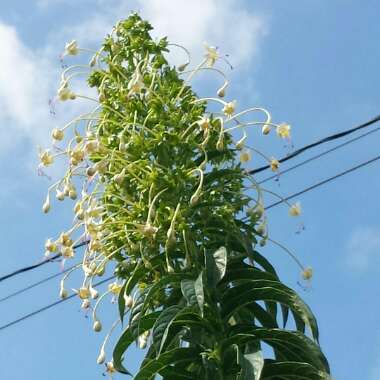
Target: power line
(318, 156)
(254, 171)
(26, 288)
(312, 187)
(43, 262)
(33, 313)
(319, 142)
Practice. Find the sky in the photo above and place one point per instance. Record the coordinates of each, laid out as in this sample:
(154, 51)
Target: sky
(312, 63)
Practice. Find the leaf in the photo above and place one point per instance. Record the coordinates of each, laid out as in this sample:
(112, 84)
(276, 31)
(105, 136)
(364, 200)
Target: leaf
(162, 325)
(292, 370)
(288, 345)
(173, 357)
(252, 364)
(198, 286)
(127, 338)
(121, 302)
(264, 290)
(216, 265)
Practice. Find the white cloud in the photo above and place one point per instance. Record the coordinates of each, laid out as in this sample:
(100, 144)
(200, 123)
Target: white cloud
(23, 88)
(219, 22)
(363, 249)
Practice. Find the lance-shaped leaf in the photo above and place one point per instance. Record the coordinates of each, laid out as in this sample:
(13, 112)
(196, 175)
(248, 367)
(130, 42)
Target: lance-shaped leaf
(216, 265)
(127, 338)
(170, 358)
(193, 291)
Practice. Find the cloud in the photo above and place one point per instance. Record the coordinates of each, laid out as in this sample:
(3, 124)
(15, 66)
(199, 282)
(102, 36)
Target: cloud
(363, 249)
(224, 23)
(23, 89)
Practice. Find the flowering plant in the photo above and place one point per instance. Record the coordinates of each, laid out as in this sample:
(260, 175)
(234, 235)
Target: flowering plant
(164, 198)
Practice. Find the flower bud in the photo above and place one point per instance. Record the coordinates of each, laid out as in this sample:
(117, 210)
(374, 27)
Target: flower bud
(240, 144)
(63, 293)
(73, 194)
(57, 134)
(182, 67)
(97, 326)
(142, 342)
(102, 357)
(46, 206)
(90, 171)
(222, 91)
(266, 129)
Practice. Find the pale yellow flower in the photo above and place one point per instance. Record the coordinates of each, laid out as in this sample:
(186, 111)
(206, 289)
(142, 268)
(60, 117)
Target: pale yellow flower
(274, 164)
(229, 108)
(307, 273)
(71, 48)
(283, 130)
(57, 134)
(211, 55)
(295, 210)
(245, 156)
(46, 157)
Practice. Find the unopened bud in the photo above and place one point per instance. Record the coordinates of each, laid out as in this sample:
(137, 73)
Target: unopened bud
(97, 327)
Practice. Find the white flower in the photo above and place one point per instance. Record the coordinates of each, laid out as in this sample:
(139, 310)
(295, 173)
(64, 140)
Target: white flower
(46, 157)
(50, 245)
(67, 252)
(274, 164)
(211, 54)
(307, 273)
(229, 108)
(128, 301)
(204, 123)
(295, 210)
(283, 130)
(245, 156)
(71, 48)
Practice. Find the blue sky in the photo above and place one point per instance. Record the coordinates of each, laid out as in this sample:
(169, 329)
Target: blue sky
(311, 63)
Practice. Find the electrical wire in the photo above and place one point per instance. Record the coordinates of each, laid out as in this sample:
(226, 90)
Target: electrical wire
(274, 176)
(27, 316)
(43, 262)
(319, 142)
(312, 187)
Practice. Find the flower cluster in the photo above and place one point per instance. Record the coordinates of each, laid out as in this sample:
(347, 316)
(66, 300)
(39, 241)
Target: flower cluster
(146, 164)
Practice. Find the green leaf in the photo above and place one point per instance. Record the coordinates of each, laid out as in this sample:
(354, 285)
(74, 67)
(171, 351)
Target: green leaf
(264, 290)
(251, 363)
(162, 325)
(287, 345)
(121, 302)
(216, 265)
(173, 357)
(292, 370)
(193, 291)
(127, 338)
